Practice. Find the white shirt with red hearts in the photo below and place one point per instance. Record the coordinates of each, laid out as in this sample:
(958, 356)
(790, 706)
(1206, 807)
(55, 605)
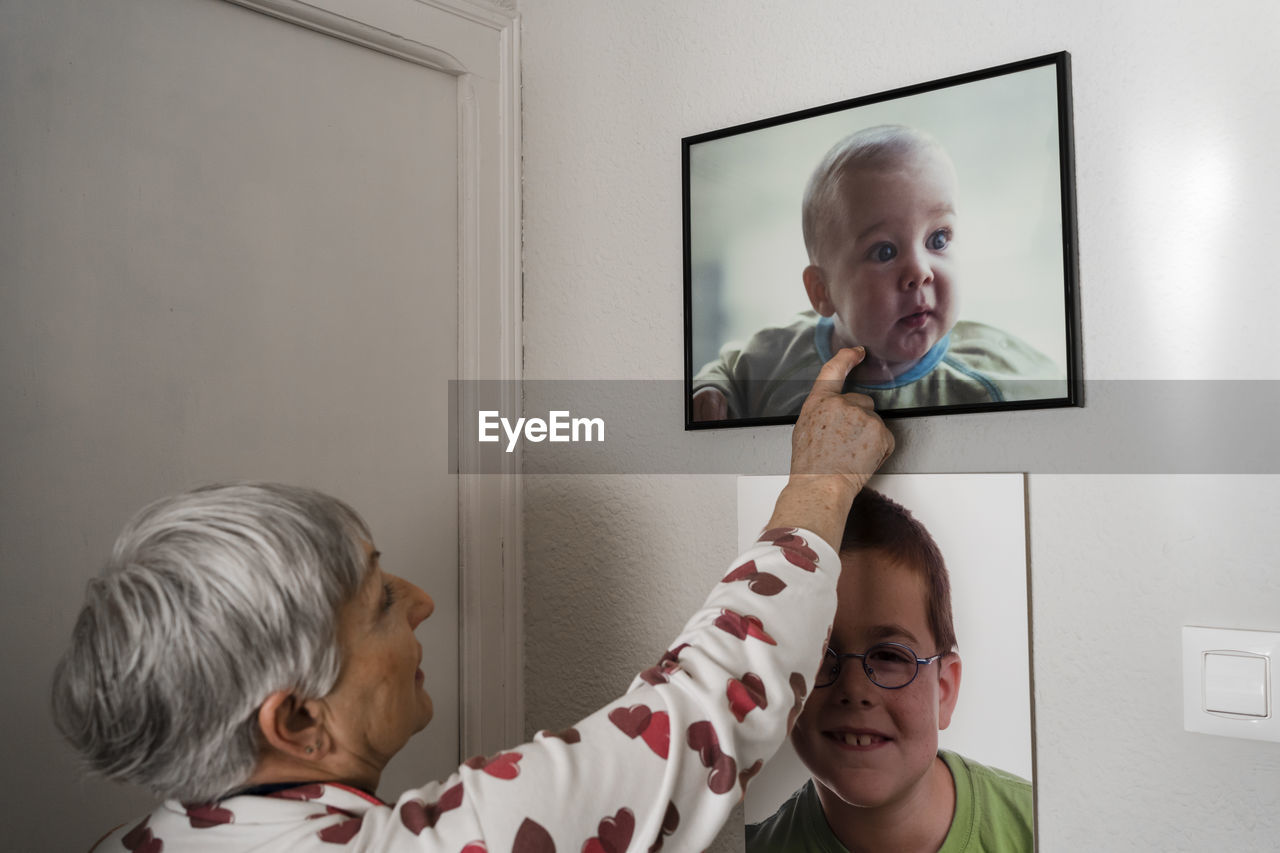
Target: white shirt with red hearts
(661, 768)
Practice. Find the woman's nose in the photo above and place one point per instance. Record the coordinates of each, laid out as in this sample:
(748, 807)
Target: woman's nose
(422, 607)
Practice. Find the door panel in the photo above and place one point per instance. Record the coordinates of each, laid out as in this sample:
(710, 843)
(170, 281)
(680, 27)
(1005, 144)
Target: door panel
(237, 257)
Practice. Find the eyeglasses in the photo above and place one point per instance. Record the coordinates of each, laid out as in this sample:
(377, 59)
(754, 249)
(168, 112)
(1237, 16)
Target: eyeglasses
(888, 665)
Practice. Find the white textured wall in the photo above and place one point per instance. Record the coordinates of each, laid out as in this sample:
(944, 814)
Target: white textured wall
(1175, 121)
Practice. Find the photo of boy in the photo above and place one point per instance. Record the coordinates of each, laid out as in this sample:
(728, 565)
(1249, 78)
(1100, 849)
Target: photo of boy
(880, 222)
(868, 733)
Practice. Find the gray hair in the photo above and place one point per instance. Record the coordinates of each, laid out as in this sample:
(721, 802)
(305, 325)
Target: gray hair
(212, 600)
(821, 212)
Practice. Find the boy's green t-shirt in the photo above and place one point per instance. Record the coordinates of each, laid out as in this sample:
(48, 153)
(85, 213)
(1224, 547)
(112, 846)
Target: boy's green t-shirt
(994, 814)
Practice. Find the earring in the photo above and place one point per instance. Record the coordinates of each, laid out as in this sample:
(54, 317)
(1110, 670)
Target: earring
(310, 749)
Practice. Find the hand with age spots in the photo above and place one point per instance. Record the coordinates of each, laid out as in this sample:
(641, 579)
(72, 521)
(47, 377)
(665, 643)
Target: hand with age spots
(837, 444)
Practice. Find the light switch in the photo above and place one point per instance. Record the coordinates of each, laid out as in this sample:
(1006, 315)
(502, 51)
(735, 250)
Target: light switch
(1229, 680)
(1235, 683)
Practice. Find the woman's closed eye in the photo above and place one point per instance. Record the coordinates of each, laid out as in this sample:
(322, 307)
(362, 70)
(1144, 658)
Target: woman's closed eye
(389, 596)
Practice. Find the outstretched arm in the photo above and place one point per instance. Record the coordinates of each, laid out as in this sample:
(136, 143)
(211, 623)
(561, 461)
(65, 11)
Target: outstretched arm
(663, 766)
(838, 443)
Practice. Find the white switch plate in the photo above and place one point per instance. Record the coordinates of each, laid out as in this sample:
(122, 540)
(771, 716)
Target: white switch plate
(1196, 717)
(1237, 683)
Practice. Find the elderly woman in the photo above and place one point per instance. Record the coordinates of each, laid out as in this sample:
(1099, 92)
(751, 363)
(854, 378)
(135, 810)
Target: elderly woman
(246, 656)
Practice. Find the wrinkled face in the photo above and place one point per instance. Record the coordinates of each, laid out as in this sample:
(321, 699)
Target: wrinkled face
(870, 746)
(891, 281)
(379, 701)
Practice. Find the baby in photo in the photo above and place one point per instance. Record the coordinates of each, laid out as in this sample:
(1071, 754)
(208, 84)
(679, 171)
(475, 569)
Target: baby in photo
(868, 733)
(880, 226)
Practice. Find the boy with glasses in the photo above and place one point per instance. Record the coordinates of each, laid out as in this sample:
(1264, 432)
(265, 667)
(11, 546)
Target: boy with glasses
(868, 734)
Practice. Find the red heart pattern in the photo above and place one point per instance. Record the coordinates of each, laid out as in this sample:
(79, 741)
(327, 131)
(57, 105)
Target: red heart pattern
(798, 552)
(795, 542)
(569, 735)
(140, 840)
(658, 734)
(633, 721)
(302, 792)
(798, 558)
(341, 833)
(747, 775)
(613, 834)
(799, 690)
(761, 583)
(504, 765)
(794, 548)
(655, 675)
(640, 721)
(205, 815)
(743, 626)
(703, 739)
(475, 847)
(532, 837)
(724, 770)
(660, 673)
(745, 695)
(417, 815)
(670, 822)
(724, 775)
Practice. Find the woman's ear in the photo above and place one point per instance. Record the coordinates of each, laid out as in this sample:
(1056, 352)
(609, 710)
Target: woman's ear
(948, 687)
(815, 284)
(293, 726)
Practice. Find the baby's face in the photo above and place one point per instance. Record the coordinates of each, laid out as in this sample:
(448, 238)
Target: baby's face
(891, 281)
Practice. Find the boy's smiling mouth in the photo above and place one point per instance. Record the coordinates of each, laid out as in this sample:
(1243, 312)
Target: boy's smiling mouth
(858, 738)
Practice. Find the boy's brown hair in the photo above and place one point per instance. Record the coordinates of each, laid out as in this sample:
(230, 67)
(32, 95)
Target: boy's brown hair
(881, 523)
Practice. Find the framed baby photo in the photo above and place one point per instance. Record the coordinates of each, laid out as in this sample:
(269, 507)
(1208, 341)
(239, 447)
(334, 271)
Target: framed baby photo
(932, 225)
(928, 555)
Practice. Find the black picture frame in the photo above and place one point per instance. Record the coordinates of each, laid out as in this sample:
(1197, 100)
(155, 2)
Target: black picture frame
(1008, 132)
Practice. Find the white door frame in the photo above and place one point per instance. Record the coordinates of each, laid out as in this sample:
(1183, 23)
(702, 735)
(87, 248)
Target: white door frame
(480, 46)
